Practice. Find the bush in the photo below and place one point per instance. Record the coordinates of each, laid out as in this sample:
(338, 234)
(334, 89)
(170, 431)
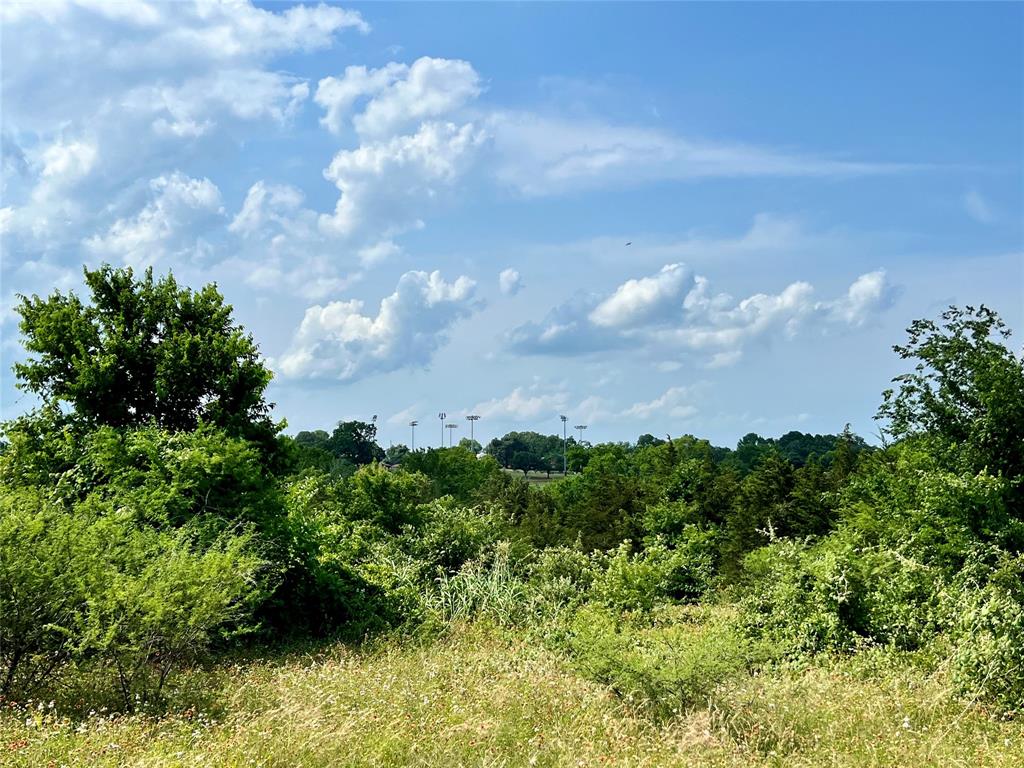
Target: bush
(798, 599)
(626, 581)
(45, 565)
(163, 600)
(987, 632)
(560, 578)
(90, 589)
(451, 535)
(664, 668)
(688, 562)
(367, 547)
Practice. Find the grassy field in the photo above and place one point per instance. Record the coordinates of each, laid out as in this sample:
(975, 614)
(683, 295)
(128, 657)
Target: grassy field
(480, 697)
(536, 478)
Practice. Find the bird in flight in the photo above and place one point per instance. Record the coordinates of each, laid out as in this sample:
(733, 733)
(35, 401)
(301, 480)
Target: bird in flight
(630, 242)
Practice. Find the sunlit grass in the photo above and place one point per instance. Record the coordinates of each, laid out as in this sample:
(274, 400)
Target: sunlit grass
(480, 697)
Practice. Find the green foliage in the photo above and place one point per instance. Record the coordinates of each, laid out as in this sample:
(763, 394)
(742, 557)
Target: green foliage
(761, 508)
(600, 507)
(45, 556)
(396, 454)
(627, 582)
(92, 588)
(688, 561)
(799, 599)
(966, 392)
(307, 452)
(371, 544)
(455, 472)
(163, 600)
(451, 535)
(986, 634)
(149, 512)
(471, 445)
(667, 668)
(560, 578)
(485, 588)
(355, 442)
(905, 499)
(528, 451)
(144, 351)
(798, 448)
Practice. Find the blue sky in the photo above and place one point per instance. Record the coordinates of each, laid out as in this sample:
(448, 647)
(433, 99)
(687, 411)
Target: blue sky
(418, 208)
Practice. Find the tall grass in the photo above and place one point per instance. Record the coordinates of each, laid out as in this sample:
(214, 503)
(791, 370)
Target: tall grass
(484, 697)
(485, 589)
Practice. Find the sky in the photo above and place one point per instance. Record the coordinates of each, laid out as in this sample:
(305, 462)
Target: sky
(710, 219)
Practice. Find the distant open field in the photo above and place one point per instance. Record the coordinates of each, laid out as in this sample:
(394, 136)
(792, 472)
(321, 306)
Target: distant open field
(536, 478)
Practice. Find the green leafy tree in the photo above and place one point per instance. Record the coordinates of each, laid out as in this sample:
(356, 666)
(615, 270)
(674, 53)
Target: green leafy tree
(316, 439)
(355, 441)
(396, 454)
(455, 472)
(761, 507)
(89, 588)
(528, 451)
(647, 440)
(966, 391)
(144, 350)
(470, 445)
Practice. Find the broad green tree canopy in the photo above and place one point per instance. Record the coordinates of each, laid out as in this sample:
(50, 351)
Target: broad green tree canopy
(143, 350)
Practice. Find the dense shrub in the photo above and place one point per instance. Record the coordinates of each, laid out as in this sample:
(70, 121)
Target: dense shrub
(162, 599)
(45, 562)
(986, 633)
(91, 588)
(665, 667)
(560, 579)
(798, 599)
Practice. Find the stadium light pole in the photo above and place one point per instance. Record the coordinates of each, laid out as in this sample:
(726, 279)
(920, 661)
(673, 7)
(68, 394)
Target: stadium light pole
(442, 416)
(471, 419)
(450, 427)
(413, 424)
(580, 427)
(564, 438)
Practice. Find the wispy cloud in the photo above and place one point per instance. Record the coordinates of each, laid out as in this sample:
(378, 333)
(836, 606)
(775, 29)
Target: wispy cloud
(543, 155)
(977, 207)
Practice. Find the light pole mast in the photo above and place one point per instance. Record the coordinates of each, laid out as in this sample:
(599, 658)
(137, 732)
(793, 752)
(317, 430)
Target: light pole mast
(564, 438)
(580, 427)
(442, 416)
(472, 418)
(413, 424)
(450, 427)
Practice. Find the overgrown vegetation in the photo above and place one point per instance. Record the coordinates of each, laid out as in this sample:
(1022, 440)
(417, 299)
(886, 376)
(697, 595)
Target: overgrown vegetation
(154, 519)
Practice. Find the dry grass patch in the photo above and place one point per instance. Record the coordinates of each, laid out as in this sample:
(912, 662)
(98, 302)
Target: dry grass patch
(481, 698)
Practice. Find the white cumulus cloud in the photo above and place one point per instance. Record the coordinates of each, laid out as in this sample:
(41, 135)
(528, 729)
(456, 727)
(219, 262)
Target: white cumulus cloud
(510, 282)
(337, 340)
(166, 226)
(523, 404)
(645, 299)
(397, 95)
(869, 294)
(385, 185)
(675, 310)
(675, 403)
